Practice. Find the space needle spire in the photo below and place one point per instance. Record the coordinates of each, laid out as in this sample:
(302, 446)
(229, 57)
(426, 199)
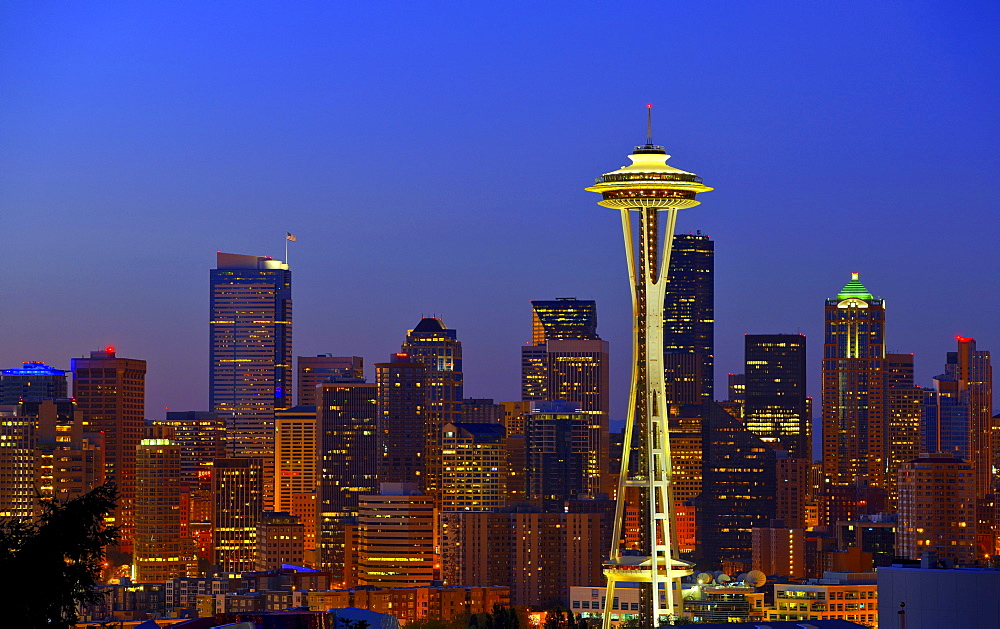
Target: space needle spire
(643, 192)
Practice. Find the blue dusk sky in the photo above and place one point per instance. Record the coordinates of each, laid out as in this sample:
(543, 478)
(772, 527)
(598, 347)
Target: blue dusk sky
(431, 158)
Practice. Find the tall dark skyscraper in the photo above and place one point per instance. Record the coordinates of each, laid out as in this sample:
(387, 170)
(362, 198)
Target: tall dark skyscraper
(854, 388)
(31, 381)
(348, 462)
(565, 318)
(738, 487)
(402, 406)
(437, 347)
(111, 394)
(775, 406)
(251, 352)
(689, 320)
(904, 408)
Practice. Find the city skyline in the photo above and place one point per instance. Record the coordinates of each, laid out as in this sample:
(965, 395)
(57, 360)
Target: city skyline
(111, 140)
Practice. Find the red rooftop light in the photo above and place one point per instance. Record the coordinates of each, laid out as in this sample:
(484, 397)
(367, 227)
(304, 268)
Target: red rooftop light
(964, 339)
(110, 349)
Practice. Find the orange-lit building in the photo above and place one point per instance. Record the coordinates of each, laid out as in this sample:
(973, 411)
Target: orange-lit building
(937, 508)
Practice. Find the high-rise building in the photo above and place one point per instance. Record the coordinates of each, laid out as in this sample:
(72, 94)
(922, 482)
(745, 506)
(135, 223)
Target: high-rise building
(202, 439)
(574, 370)
(644, 191)
(402, 413)
(17, 473)
(946, 425)
(738, 488)
(564, 319)
(111, 393)
(397, 537)
(160, 551)
(568, 361)
(775, 407)
(557, 441)
(312, 370)
(348, 462)
(937, 508)
(238, 487)
(32, 381)
(973, 371)
(791, 490)
(68, 461)
(475, 467)
(437, 347)
(689, 320)
(904, 409)
(296, 472)
(251, 352)
(854, 388)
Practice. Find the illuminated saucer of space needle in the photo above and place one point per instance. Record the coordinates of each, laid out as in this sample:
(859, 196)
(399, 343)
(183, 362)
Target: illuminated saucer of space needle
(649, 181)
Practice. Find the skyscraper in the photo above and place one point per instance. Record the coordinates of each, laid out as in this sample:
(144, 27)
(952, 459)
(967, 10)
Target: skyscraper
(437, 347)
(904, 409)
(32, 381)
(402, 409)
(937, 508)
(348, 462)
(689, 320)
(854, 388)
(565, 318)
(111, 393)
(642, 189)
(973, 371)
(297, 469)
(251, 350)
(238, 487)
(160, 552)
(568, 361)
(557, 441)
(738, 487)
(775, 407)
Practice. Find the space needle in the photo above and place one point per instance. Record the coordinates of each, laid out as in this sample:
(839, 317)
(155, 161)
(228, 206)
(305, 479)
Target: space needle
(648, 192)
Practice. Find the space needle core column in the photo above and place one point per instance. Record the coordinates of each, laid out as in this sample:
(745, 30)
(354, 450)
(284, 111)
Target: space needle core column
(642, 191)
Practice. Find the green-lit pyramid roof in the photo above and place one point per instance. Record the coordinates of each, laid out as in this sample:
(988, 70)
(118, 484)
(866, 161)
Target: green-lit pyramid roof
(854, 289)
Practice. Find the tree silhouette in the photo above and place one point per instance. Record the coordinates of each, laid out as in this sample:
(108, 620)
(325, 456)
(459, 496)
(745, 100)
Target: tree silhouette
(50, 566)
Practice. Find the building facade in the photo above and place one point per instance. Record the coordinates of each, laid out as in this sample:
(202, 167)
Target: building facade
(775, 395)
(250, 352)
(689, 320)
(854, 388)
(111, 393)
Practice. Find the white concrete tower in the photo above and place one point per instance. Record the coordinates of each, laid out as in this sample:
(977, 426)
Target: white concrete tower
(642, 192)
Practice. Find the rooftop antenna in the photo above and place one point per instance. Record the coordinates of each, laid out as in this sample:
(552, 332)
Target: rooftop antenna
(649, 124)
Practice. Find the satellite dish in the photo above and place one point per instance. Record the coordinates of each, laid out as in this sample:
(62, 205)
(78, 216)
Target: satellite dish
(723, 578)
(755, 578)
(741, 577)
(704, 578)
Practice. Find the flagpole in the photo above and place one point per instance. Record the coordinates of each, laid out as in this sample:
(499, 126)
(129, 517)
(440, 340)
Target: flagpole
(286, 248)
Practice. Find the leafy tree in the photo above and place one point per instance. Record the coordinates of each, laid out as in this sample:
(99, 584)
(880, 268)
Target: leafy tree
(50, 566)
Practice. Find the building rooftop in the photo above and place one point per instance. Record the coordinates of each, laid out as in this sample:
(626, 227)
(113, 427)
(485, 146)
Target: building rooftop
(855, 289)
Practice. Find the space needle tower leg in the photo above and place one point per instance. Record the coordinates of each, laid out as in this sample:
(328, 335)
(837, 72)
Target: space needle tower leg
(643, 191)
